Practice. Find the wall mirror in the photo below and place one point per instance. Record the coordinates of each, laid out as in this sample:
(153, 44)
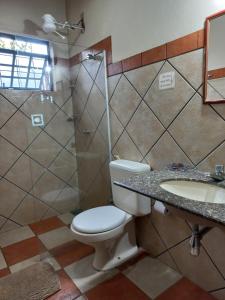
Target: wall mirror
(214, 83)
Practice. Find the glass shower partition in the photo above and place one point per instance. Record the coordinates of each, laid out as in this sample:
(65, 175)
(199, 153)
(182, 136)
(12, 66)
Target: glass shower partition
(92, 131)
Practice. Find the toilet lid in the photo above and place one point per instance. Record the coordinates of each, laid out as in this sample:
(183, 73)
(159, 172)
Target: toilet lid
(99, 219)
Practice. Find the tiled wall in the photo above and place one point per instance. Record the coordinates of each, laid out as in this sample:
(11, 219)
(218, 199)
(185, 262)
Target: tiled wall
(160, 127)
(37, 165)
(91, 147)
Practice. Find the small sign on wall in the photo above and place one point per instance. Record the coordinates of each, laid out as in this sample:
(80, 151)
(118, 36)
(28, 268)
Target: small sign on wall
(167, 80)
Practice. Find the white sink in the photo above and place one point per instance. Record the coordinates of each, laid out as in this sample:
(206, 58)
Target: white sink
(193, 190)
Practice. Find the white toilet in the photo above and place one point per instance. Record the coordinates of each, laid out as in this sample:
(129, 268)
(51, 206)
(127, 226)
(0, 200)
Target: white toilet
(111, 229)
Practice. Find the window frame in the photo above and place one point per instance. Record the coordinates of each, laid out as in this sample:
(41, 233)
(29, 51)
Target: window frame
(47, 57)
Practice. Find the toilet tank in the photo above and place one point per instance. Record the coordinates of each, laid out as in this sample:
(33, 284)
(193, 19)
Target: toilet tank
(131, 202)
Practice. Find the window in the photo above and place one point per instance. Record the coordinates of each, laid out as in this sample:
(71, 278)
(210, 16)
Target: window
(25, 63)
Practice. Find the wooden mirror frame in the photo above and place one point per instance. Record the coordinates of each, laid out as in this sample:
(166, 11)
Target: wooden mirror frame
(207, 32)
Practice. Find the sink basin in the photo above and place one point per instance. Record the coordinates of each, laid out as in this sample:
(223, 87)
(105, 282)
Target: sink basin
(193, 190)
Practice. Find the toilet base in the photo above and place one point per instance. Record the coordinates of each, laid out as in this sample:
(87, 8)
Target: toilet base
(113, 252)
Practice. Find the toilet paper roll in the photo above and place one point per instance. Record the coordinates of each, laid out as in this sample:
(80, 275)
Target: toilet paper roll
(160, 207)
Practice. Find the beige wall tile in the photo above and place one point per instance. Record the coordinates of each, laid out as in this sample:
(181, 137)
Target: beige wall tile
(126, 149)
(11, 154)
(44, 149)
(100, 78)
(144, 128)
(220, 295)
(96, 104)
(47, 188)
(67, 200)
(19, 137)
(124, 100)
(11, 196)
(147, 237)
(190, 65)
(142, 78)
(198, 269)
(7, 110)
(214, 242)
(112, 83)
(198, 129)
(166, 104)
(60, 129)
(215, 158)
(165, 152)
(171, 228)
(30, 210)
(91, 66)
(64, 165)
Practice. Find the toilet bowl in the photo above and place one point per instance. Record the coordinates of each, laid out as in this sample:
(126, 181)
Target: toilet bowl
(111, 229)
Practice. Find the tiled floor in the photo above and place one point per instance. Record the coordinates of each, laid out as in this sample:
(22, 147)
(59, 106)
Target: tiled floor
(51, 240)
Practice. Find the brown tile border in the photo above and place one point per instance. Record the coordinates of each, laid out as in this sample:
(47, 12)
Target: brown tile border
(154, 55)
(177, 47)
(132, 62)
(182, 45)
(115, 68)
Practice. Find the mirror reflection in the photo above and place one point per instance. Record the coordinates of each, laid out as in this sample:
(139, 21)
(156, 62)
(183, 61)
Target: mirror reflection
(215, 59)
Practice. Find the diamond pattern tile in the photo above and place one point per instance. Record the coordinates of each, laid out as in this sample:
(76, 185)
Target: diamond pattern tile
(31, 209)
(20, 173)
(200, 269)
(96, 104)
(195, 124)
(144, 128)
(44, 149)
(124, 107)
(47, 188)
(16, 97)
(24, 133)
(112, 83)
(91, 66)
(7, 110)
(190, 65)
(100, 79)
(11, 196)
(166, 151)
(161, 101)
(34, 105)
(60, 128)
(142, 78)
(64, 165)
(11, 154)
(67, 200)
(126, 149)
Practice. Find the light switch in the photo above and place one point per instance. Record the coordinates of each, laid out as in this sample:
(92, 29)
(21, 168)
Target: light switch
(167, 80)
(37, 120)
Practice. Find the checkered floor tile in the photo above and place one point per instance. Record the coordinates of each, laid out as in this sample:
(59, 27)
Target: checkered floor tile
(52, 241)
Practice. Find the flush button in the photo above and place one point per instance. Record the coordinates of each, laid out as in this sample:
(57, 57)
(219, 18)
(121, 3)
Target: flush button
(37, 120)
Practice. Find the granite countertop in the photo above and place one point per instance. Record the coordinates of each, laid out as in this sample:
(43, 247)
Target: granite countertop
(149, 185)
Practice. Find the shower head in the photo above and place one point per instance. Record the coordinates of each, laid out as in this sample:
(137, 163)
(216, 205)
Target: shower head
(94, 57)
(50, 25)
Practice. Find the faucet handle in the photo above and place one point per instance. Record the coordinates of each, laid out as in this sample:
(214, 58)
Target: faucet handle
(219, 169)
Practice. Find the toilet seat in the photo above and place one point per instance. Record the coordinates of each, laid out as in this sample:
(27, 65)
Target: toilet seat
(99, 219)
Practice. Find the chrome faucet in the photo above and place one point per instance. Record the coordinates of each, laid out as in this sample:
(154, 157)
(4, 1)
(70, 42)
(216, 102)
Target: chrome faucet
(219, 174)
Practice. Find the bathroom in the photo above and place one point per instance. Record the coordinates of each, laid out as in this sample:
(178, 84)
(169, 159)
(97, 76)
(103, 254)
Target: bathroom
(88, 99)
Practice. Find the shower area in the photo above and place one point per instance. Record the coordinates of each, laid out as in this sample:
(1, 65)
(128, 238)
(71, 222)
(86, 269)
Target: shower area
(60, 167)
